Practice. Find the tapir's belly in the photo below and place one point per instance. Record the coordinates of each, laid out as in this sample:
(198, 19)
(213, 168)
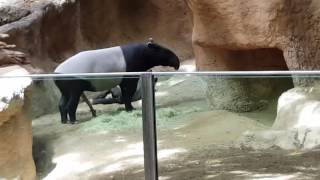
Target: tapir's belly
(104, 84)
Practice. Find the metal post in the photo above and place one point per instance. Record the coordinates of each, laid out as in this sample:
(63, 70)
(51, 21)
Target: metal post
(149, 127)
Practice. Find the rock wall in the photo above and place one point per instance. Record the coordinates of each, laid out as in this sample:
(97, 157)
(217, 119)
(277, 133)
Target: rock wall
(53, 32)
(225, 26)
(255, 35)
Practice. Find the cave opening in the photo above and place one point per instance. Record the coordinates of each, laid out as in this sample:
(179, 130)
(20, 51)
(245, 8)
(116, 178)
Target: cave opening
(247, 93)
(264, 59)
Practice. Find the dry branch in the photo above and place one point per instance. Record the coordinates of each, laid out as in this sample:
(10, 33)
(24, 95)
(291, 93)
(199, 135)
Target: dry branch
(10, 56)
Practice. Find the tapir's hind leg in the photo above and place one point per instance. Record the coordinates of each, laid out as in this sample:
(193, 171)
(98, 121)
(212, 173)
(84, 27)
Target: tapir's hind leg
(72, 105)
(76, 89)
(71, 90)
(63, 108)
(86, 100)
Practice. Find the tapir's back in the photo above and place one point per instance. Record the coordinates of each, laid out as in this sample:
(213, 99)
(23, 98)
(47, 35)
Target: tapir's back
(94, 61)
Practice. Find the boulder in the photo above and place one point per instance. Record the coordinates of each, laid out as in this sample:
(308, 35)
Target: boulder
(16, 160)
(10, 14)
(297, 125)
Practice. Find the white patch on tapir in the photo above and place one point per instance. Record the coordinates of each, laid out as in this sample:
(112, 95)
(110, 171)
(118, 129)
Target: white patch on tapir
(96, 61)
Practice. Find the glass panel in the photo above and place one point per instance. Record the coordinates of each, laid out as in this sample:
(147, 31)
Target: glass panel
(108, 146)
(209, 127)
(237, 127)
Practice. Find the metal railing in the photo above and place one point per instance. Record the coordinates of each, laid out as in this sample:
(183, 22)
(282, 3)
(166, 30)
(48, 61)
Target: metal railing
(199, 73)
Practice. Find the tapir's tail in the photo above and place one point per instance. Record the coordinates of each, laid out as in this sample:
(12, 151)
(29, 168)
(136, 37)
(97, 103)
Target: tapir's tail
(86, 100)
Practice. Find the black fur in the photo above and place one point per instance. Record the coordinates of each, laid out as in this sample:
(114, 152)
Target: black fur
(148, 55)
(71, 90)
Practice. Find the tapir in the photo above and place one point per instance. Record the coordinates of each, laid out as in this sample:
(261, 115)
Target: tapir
(135, 57)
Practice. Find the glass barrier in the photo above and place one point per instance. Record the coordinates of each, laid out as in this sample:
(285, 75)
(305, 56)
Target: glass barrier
(237, 126)
(209, 126)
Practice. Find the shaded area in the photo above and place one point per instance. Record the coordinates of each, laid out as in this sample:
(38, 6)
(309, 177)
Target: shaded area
(42, 152)
(221, 163)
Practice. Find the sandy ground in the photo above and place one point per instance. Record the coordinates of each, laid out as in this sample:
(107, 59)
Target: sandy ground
(193, 142)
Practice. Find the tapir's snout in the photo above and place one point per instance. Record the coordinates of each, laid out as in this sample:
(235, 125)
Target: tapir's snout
(176, 63)
(176, 67)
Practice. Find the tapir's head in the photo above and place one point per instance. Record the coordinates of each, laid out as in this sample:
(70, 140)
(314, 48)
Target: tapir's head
(161, 56)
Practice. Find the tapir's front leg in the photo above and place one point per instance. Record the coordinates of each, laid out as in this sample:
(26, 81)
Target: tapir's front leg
(128, 88)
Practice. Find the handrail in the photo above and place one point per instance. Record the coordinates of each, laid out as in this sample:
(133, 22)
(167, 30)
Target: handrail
(201, 73)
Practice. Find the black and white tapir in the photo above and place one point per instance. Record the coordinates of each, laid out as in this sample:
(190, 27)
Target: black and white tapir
(126, 58)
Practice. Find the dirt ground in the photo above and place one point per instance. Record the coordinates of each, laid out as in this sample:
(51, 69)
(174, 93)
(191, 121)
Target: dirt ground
(193, 143)
(184, 152)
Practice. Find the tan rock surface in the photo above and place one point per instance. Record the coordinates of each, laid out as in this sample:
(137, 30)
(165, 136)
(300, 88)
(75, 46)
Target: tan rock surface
(224, 27)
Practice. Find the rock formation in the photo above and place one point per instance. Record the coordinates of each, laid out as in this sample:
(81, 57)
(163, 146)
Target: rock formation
(55, 30)
(10, 14)
(297, 123)
(226, 33)
(255, 35)
(16, 160)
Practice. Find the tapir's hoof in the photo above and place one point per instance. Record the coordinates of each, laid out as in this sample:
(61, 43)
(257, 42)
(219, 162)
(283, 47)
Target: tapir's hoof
(74, 122)
(130, 109)
(94, 113)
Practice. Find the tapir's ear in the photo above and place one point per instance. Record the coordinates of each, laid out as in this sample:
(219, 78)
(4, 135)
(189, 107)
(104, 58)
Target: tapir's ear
(150, 40)
(151, 43)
